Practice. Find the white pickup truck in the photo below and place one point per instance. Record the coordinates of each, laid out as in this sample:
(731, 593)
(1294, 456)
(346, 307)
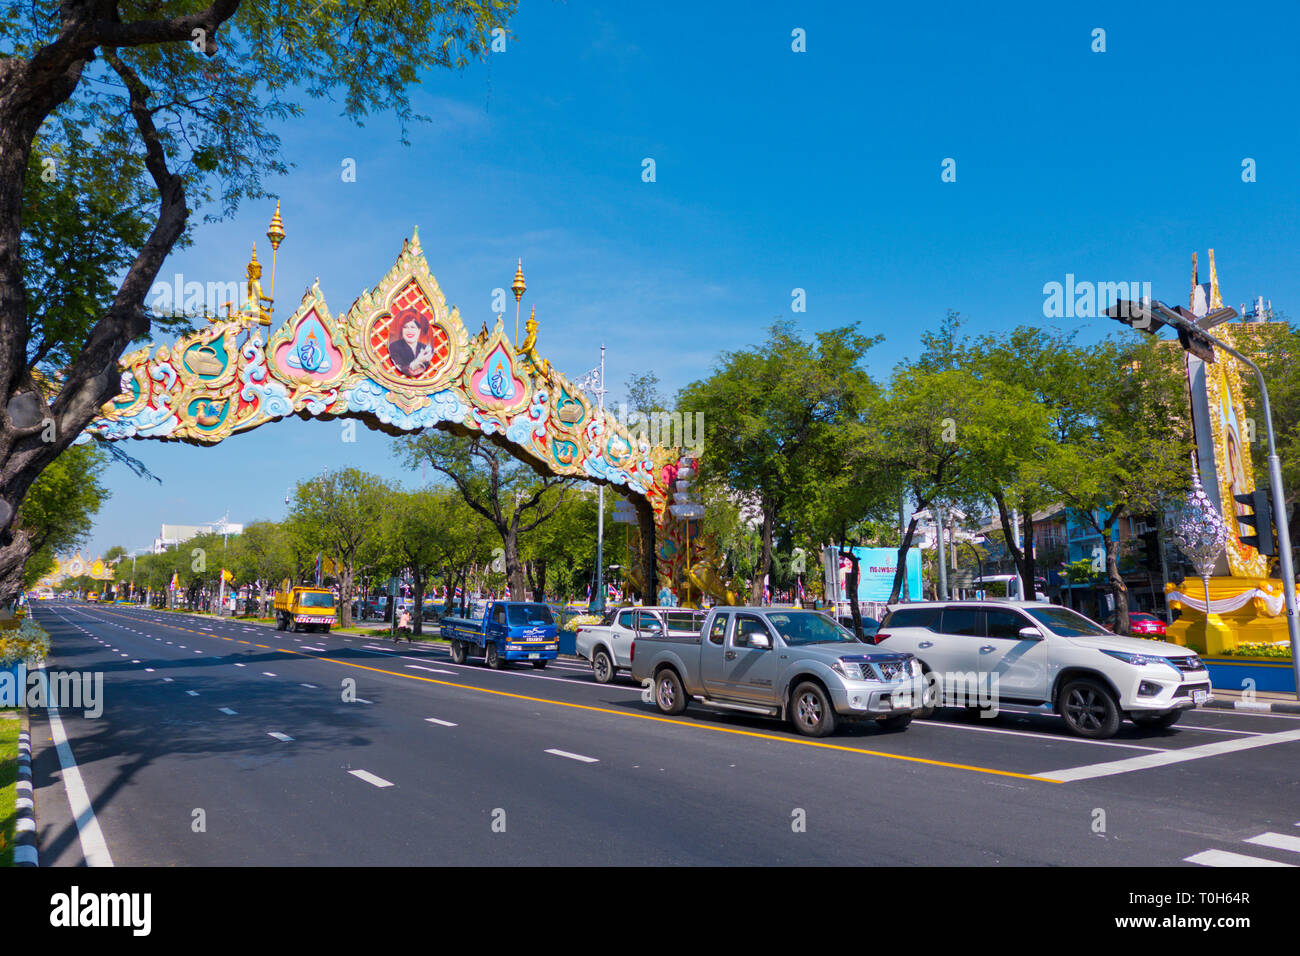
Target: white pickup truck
(608, 646)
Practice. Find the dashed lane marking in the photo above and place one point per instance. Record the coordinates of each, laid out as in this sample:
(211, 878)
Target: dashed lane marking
(370, 778)
(565, 753)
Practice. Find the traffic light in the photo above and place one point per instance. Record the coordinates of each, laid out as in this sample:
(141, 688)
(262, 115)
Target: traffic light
(1262, 521)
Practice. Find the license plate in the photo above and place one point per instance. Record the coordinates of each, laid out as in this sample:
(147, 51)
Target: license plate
(1200, 696)
(900, 700)
(534, 656)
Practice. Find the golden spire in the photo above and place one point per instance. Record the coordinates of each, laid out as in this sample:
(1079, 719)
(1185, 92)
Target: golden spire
(1216, 301)
(1196, 280)
(518, 287)
(275, 232)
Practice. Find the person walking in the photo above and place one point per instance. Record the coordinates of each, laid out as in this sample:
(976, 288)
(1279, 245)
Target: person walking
(403, 626)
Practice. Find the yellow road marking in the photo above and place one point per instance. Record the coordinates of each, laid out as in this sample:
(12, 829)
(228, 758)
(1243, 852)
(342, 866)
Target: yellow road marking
(671, 720)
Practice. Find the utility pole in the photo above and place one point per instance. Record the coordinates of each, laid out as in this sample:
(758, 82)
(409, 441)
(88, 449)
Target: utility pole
(943, 562)
(598, 598)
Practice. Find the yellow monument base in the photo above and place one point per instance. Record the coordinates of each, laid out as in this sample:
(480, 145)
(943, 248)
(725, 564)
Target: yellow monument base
(1249, 624)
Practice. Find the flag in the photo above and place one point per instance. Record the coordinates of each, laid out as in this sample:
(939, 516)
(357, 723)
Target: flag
(767, 594)
(175, 584)
(800, 581)
(588, 592)
(227, 576)
(459, 593)
(507, 597)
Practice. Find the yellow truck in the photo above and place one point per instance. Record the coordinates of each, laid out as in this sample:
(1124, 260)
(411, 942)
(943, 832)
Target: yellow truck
(308, 609)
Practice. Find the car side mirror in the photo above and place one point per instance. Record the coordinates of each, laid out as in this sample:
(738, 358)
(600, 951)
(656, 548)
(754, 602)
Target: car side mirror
(1030, 633)
(760, 642)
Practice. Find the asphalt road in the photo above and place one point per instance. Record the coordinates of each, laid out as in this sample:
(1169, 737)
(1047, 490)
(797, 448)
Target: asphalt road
(224, 743)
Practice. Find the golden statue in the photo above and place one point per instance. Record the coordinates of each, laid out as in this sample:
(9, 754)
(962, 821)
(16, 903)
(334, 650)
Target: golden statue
(529, 349)
(706, 576)
(251, 310)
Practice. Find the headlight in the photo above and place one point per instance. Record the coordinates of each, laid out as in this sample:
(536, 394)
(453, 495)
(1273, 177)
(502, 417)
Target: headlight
(1140, 659)
(852, 670)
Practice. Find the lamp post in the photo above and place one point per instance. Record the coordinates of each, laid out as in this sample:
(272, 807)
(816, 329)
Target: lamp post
(1202, 535)
(1148, 316)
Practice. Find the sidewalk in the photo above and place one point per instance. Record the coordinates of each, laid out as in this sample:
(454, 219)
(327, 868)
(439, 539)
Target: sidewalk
(1260, 701)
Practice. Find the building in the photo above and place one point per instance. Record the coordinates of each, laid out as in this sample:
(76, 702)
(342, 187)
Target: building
(173, 534)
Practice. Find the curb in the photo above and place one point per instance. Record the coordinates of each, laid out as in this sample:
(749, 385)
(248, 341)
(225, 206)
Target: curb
(1255, 707)
(25, 829)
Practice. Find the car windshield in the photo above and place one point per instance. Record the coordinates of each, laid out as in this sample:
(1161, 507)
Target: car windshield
(313, 599)
(809, 627)
(1065, 622)
(522, 615)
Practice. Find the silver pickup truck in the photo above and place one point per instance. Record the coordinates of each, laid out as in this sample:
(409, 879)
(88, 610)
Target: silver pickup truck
(608, 646)
(779, 662)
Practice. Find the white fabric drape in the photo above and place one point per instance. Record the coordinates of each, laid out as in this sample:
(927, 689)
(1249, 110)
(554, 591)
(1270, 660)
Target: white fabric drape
(1274, 604)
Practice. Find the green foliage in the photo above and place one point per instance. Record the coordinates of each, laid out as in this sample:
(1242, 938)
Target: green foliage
(58, 511)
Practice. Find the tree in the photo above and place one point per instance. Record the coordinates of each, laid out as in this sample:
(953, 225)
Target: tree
(1133, 456)
(339, 514)
(262, 556)
(58, 511)
(414, 538)
(769, 415)
(506, 492)
(177, 102)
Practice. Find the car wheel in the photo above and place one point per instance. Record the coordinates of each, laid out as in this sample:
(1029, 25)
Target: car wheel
(1157, 721)
(539, 665)
(458, 652)
(811, 711)
(1089, 709)
(897, 722)
(929, 696)
(670, 696)
(602, 668)
(492, 656)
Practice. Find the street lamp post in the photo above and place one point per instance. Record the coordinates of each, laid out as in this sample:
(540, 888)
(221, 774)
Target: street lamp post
(1196, 339)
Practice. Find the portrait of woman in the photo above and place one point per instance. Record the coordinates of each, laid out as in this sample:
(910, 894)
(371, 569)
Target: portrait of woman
(408, 349)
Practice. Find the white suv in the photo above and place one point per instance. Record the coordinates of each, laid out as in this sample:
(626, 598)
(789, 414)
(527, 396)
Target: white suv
(1033, 654)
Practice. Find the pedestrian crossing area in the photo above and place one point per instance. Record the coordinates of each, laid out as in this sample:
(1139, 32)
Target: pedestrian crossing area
(1265, 849)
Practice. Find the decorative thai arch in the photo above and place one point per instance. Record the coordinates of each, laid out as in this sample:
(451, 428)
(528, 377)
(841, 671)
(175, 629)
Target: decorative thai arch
(222, 380)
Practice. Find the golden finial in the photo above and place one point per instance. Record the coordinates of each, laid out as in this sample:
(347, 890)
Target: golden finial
(518, 287)
(1216, 300)
(1196, 280)
(275, 231)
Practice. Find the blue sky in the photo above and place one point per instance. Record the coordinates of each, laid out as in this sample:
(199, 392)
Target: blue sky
(775, 170)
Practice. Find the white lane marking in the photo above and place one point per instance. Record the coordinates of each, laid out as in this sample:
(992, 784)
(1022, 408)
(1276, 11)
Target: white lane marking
(532, 674)
(279, 736)
(148, 670)
(226, 710)
(1038, 735)
(241, 665)
(565, 753)
(268, 674)
(1166, 757)
(135, 662)
(306, 647)
(1278, 841)
(362, 700)
(369, 777)
(1224, 858)
(192, 693)
(93, 846)
(441, 723)
(431, 670)
(312, 686)
(167, 679)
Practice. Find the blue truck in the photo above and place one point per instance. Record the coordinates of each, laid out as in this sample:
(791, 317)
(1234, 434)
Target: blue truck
(503, 631)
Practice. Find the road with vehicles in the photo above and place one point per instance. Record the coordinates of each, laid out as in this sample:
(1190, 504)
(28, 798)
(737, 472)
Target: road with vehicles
(228, 743)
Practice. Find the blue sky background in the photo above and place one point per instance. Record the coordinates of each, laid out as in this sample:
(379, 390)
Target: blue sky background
(775, 170)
